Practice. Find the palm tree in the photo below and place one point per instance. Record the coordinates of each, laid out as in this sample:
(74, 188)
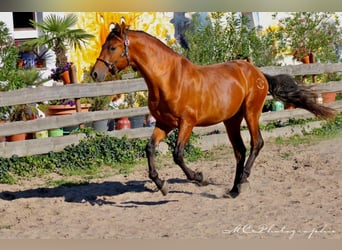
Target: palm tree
(58, 35)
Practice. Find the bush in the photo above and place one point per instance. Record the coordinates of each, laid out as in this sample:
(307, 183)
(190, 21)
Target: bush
(228, 37)
(191, 152)
(96, 150)
(9, 54)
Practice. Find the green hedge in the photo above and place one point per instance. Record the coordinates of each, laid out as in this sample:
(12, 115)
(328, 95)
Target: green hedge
(97, 149)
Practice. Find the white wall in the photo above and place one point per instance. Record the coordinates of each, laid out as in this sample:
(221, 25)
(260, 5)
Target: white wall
(7, 18)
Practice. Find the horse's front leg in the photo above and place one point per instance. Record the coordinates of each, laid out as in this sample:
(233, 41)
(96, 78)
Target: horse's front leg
(157, 136)
(184, 134)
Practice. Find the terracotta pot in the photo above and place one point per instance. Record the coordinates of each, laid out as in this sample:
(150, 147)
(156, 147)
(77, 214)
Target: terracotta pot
(65, 77)
(2, 138)
(306, 59)
(289, 106)
(18, 137)
(40, 63)
(65, 109)
(329, 97)
(20, 63)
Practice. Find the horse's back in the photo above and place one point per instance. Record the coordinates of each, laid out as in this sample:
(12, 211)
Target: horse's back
(222, 89)
(234, 76)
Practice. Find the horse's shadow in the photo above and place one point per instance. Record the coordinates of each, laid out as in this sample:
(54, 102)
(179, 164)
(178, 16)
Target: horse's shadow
(93, 193)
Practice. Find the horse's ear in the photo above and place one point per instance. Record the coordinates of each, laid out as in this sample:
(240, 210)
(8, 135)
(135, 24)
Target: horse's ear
(123, 20)
(117, 29)
(123, 26)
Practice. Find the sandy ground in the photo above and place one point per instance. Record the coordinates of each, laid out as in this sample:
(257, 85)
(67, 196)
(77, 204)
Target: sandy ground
(295, 193)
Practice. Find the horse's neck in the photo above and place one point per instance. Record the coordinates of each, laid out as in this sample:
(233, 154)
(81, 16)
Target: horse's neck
(152, 57)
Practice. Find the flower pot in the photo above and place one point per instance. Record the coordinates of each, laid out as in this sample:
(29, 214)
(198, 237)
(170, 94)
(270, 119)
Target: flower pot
(55, 132)
(329, 97)
(101, 125)
(65, 77)
(277, 105)
(41, 134)
(123, 123)
(65, 109)
(70, 129)
(306, 59)
(289, 106)
(17, 137)
(20, 63)
(111, 124)
(137, 121)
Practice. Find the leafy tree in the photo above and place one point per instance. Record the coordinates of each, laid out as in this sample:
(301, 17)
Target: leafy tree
(311, 32)
(227, 37)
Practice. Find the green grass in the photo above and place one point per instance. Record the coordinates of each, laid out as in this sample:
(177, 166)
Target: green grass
(328, 130)
(285, 155)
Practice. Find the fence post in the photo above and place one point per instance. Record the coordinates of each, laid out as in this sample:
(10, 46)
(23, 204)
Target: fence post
(73, 79)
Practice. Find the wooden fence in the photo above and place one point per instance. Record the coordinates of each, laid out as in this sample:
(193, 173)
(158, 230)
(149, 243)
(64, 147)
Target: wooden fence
(41, 94)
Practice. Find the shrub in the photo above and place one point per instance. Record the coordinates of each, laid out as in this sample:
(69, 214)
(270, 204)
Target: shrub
(96, 150)
(228, 36)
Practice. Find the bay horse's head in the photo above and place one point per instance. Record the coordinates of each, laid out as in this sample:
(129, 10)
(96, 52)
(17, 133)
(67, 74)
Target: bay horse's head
(114, 54)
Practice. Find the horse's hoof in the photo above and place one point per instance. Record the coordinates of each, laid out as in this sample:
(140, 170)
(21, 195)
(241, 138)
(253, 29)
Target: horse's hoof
(165, 188)
(230, 194)
(243, 187)
(205, 179)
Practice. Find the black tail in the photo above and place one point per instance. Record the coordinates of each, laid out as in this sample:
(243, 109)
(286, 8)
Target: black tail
(285, 88)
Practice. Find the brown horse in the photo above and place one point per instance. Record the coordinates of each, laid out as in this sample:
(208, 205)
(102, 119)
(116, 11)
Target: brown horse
(184, 95)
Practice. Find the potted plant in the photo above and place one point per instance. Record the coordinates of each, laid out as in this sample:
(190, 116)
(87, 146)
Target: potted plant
(65, 107)
(39, 53)
(136, 99)
(22, 112)
(99, 103)
(31, 77)
(62, 72)
(310, 34)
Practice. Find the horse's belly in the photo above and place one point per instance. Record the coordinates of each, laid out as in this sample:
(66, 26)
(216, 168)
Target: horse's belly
(165, 117)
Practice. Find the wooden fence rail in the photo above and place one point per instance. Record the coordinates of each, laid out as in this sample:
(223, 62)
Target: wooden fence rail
(41, 94)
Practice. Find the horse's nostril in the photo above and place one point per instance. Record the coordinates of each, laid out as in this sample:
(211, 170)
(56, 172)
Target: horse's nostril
(94, 75)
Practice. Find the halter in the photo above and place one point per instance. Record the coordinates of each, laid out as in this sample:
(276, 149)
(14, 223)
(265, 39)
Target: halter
(111, 66)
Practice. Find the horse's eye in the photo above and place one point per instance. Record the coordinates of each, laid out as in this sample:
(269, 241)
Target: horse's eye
(112, 48)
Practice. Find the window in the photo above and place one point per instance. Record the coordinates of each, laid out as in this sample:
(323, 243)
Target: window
(22, 19)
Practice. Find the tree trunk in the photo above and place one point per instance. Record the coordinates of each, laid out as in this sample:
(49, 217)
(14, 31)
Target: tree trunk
(61, 58)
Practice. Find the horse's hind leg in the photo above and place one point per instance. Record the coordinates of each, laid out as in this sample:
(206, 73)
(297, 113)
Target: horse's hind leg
(257, 142)
(178, 155)
(233, 130)
(157, 136)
